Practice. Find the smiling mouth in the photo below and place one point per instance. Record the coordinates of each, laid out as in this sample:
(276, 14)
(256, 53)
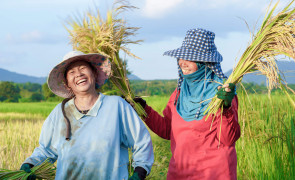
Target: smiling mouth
(81, 81)
(185, 70)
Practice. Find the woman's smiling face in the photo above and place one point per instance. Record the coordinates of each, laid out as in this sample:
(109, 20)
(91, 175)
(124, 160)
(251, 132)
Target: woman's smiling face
(187, 67)
(80, 77)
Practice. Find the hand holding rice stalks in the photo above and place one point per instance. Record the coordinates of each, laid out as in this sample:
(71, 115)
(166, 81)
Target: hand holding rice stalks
(44, 171)
(275, 37)
(92, 34)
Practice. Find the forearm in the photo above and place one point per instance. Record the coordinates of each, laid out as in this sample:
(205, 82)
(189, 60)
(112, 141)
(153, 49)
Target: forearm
(39, 155)
(143, 155)
(135, 135)
(46, 148)
(230, 128)
(157, 123)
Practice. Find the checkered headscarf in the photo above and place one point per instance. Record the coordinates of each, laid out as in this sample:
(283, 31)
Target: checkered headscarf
(198, 45)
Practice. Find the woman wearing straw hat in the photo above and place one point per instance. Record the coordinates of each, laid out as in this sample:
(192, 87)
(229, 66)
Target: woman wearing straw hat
(89, 133)
(201, 149)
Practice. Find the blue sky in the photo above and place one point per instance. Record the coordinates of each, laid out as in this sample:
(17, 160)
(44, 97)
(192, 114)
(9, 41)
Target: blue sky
(33, 38)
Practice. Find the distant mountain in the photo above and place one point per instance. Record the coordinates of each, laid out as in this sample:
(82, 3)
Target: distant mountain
(287, 67)
(20, 78)
(133, 77)
(6, 75)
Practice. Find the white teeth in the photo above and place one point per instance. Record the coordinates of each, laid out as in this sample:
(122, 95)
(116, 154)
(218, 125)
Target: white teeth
(81, 81)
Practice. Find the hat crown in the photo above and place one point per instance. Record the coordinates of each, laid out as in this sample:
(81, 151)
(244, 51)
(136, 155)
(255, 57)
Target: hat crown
(199, 40)
(72, 54)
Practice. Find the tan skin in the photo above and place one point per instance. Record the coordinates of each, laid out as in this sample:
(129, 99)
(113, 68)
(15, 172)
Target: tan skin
(189, 67)
(81, 81)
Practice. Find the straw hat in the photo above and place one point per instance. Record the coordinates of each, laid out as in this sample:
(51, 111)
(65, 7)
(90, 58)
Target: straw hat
(56, 79)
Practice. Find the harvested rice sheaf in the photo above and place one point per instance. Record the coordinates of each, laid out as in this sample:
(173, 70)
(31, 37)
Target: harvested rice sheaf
(273, 40)
(93, 34)
(46, 170)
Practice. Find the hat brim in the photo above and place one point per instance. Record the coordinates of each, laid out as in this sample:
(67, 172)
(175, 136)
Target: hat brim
(216, 68)
(193, 55)
(56, 80)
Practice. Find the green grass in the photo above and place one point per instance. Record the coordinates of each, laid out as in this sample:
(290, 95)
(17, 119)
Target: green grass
(29, 110)
(265, 149)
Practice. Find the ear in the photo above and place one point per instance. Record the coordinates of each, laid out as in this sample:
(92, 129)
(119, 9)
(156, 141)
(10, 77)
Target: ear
(66, 86)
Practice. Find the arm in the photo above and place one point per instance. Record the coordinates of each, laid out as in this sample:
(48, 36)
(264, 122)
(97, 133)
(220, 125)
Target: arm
(45, 149)
(158, 124)
(135, 135)
(161, 125)
(230, 129)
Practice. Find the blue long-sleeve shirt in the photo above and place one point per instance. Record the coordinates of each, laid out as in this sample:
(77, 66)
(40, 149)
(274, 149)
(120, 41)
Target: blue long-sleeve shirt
(99, 143)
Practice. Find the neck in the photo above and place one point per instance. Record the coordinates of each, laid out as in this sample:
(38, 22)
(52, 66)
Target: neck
(85, 102)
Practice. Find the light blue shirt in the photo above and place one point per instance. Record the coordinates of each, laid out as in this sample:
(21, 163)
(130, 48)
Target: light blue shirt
(99, 143)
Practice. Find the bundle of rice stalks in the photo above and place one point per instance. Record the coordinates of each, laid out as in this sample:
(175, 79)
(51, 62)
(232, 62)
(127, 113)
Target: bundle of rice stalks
(275, 38)
(93, 34)
(44, 171)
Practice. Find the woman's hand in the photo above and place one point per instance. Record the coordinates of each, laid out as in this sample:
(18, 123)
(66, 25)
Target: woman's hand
(27, 168)
(139, 174)
(141, 101)
(226, 93)
(136, 99)
(134, 177)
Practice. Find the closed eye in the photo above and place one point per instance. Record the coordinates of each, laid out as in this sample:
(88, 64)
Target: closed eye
(71, 72)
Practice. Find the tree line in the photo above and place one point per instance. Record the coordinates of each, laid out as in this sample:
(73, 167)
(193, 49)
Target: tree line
(33, 92)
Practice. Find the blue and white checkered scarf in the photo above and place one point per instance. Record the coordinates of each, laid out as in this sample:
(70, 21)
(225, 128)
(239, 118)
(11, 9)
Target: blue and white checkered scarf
(196, 91)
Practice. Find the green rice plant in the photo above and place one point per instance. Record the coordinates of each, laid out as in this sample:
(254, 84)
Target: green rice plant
(158, 102)
(28, 110)
(93, 34)
(274, 38)
(265, 150)
(46, 170)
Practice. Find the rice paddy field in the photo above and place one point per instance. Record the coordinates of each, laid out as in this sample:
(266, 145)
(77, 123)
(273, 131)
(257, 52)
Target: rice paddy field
(265, 150)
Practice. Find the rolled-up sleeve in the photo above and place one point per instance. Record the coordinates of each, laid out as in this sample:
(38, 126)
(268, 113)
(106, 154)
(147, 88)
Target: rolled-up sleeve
(136, 136)
(46, 148)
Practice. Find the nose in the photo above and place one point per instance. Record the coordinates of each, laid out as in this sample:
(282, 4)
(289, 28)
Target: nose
(79, 73)
(181, 62)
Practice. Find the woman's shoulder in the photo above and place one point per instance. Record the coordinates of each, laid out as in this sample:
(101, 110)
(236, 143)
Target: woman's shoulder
(173, 96)
(55, 114)
(112, 98)
(56, 109)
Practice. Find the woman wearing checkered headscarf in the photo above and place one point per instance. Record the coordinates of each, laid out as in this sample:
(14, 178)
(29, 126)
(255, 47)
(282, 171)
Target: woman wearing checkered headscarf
(197, 150)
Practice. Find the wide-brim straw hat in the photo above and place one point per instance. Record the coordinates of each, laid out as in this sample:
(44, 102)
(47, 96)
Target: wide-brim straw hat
(56, 79)
(199, 46)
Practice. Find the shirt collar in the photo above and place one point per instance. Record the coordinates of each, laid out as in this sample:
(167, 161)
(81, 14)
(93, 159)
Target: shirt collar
(92, 112)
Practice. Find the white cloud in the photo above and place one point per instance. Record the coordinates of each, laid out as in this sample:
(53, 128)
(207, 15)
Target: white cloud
(26, 37)
(221, 4)
(32, 36)
(160, 8)
(156, 8)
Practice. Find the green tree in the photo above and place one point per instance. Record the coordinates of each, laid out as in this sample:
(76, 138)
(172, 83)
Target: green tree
(47, 92)
(32, 87)
(9, 92)
(36, 97)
